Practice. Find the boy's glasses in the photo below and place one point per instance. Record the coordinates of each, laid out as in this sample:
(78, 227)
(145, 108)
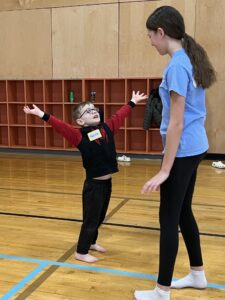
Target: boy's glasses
(90, 111)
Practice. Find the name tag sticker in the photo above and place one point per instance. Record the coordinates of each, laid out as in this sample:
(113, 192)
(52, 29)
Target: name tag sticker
(94, 135)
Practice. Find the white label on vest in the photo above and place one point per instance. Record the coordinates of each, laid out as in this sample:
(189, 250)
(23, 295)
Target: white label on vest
(94, 135)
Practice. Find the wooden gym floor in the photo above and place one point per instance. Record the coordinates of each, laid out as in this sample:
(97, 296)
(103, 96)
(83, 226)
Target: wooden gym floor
(40, 207)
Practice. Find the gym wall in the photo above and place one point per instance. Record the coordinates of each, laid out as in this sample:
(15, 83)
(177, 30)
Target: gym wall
(57, 39)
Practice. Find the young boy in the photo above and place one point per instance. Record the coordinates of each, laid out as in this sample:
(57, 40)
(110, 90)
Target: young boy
(95, 140)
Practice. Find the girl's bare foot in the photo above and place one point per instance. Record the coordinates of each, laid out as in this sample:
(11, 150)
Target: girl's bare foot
(98, 248)
(86, 257)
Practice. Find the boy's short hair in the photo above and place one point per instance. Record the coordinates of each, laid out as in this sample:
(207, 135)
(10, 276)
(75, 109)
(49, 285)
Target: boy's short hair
(77, 110)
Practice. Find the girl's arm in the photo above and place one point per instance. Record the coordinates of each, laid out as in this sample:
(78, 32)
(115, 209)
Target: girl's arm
(173, 136)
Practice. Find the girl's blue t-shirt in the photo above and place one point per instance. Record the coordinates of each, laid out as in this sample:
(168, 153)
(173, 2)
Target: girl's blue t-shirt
(178, 77)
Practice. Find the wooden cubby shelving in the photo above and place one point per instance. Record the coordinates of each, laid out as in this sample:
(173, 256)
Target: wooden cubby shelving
(18, 130)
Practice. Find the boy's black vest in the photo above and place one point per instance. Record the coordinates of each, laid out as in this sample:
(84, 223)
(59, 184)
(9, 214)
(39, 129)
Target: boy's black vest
(99, 156)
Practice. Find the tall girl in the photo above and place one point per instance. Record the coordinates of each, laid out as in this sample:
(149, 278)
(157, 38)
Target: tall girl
(185, 78)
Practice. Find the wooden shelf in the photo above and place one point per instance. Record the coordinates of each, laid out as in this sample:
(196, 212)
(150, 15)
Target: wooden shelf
(36, 137)
(17, 136)
(135, 140)
(94, 85)
(16, 115)
(76, 87)
(53, 91)
(136, 84)
(53, 139)
(15, 91)
(120, 140)
(115, 91)
(135, 119)
(3, 114)
(4, 141)
(155, 141)
(18, 130)
(34, 91)
(2, 91)
(55, 109)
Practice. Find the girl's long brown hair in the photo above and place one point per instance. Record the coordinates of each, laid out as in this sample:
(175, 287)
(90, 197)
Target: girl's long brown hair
(172, 22)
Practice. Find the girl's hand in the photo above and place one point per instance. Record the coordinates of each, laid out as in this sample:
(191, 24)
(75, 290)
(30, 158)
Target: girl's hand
(153, 184)
(137, 97)
(33, 111)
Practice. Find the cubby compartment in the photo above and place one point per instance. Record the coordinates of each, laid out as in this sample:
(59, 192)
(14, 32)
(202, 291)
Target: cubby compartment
(53, 139)
(4, 141)
(101, 111)
(120, 140)
(36, 137)
(16, 114)
(74, 86)
(136, 141)
(3, 114)
(17, 136)
(54, 109)
(34, 91)
(154, 83)
(154, 141)
(115, 91)
(136, 85)
(15, 91)
(136, 117)
(69, 147)
(2, 91)
(53, 91)
(94, 86)
(68, 111)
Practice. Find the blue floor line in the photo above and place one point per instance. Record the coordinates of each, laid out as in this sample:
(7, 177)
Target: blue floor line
(93, 268)
(81, 267)
(24, 281)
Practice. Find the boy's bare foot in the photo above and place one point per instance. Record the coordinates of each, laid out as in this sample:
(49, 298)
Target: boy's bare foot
(98, 248)
(86, 257)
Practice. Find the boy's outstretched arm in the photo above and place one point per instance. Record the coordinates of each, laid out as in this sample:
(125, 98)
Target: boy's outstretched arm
(70, 133)
(117, 119)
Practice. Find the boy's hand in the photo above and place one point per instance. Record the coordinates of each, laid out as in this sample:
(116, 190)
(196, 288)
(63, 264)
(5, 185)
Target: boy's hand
(33, 111)
(137, 97)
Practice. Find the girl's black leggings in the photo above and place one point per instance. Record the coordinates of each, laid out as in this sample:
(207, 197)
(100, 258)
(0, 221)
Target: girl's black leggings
(175, 210)
(96, 196)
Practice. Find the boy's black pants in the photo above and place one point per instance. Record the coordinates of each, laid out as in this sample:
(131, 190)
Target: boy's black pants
(175, 210)
(96, 196)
